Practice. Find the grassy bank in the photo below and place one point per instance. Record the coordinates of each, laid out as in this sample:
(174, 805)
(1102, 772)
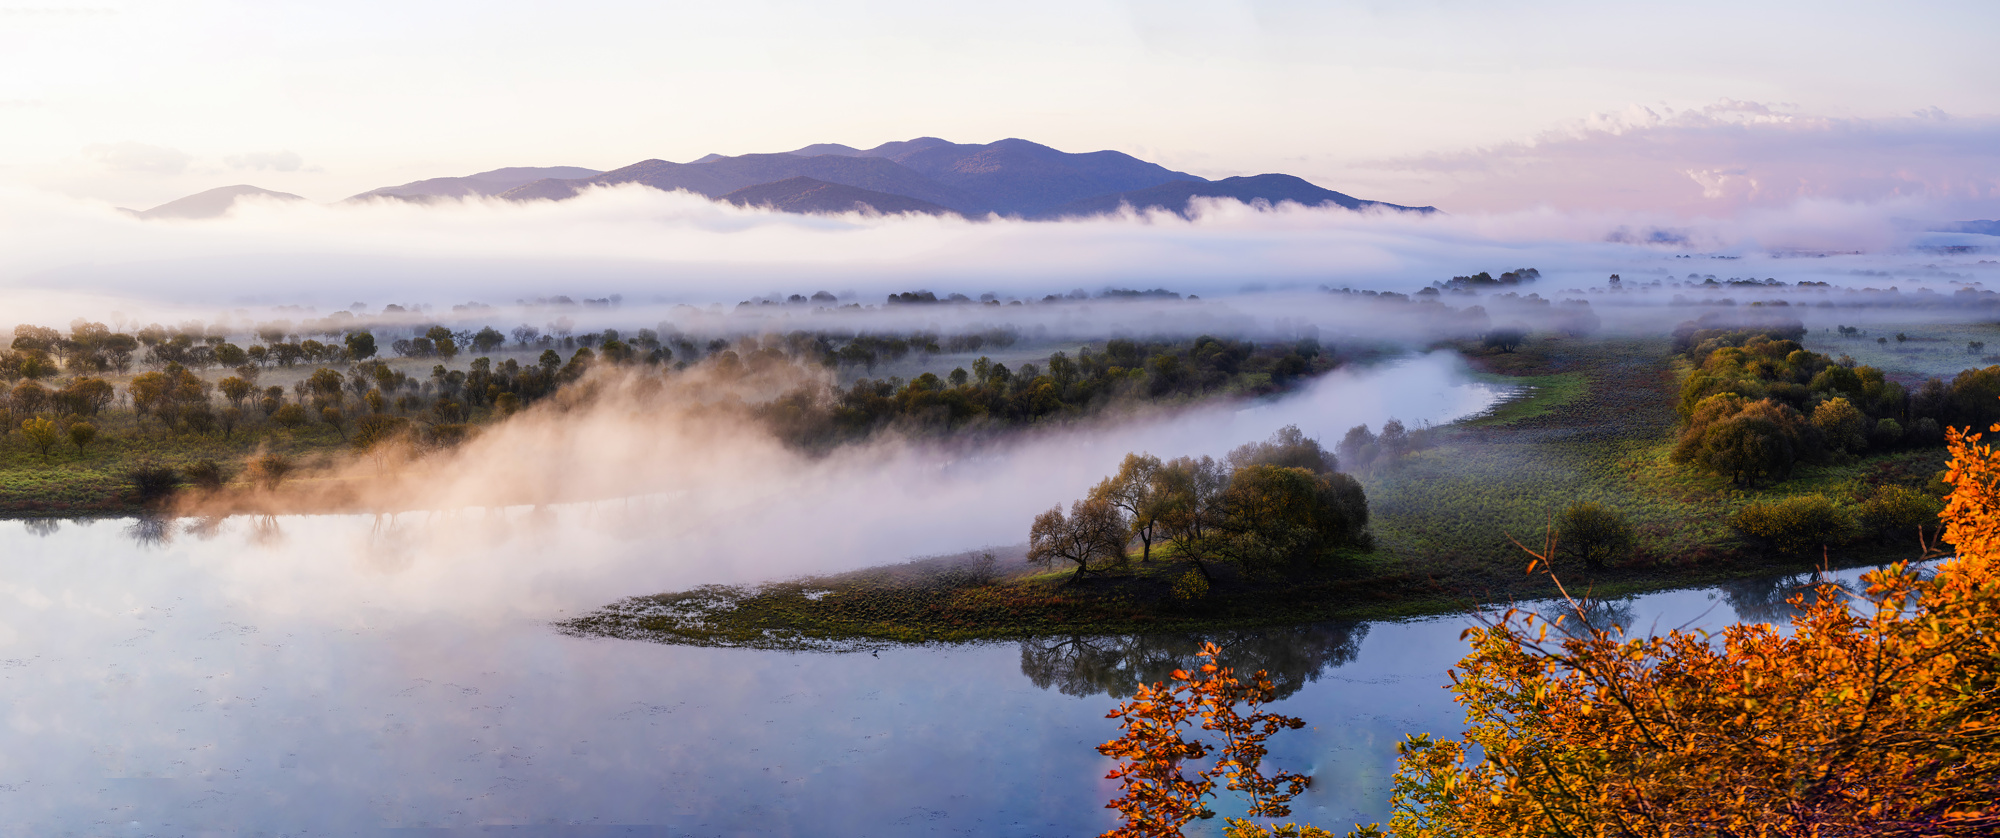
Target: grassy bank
(1593, 421)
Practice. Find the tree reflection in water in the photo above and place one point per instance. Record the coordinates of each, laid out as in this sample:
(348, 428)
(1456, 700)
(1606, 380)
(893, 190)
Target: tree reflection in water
(1768, 600)
(151, 530)
(1086, 665)
(1612, 615)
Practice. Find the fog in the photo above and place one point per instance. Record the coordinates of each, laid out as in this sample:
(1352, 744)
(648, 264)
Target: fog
(65, 258)
(567, 509)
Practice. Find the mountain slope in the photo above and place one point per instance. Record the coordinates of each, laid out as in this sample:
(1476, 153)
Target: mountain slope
(1017, 177)
(1271, 189)
(806, 195)
(484, 183)
(212, 203)
(715, 177)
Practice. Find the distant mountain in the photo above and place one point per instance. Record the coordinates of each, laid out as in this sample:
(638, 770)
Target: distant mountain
(806, 195)
(210, 204)
(484, 183)
(1010, 177)
(1175, 197)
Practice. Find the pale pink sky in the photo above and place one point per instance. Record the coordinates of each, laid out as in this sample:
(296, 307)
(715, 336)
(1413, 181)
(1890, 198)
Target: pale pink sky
(1697, 107)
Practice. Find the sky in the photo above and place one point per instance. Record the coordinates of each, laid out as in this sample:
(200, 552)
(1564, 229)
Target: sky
(1690, 109)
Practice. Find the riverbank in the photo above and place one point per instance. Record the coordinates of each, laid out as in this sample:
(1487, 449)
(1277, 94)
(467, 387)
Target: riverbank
(1593, 421)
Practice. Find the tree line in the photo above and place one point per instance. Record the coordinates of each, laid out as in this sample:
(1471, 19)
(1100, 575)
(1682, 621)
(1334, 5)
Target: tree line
(817, 415)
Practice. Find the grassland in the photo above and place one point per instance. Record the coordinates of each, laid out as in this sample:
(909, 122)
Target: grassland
(1593, 421)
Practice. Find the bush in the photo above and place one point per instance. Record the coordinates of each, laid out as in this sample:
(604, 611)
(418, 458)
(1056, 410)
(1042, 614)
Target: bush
(1797, 525)
(1593, 533)
(1894, 512)
(206, 475)
(152, 482)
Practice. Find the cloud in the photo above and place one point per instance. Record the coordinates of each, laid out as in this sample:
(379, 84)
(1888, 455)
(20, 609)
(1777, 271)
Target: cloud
(139, 158)
(1725, 157)
(278, 161)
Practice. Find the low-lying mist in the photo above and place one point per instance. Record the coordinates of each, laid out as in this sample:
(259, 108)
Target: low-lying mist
(65, 258)
(567, 508)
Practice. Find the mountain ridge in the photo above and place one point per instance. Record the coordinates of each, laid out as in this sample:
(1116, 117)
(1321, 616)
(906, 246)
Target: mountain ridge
(1010, 177)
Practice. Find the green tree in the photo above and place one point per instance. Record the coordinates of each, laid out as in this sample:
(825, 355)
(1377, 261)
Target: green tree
(81, 434)
(360, 345)
(1277, 516)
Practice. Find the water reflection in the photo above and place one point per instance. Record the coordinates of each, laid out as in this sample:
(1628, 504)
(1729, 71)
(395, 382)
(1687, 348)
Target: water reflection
(1589, 615)
(1082, 666)
(1771, 599)
(42, 527)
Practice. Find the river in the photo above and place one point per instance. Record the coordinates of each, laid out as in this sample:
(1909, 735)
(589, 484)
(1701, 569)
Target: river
(348, 675)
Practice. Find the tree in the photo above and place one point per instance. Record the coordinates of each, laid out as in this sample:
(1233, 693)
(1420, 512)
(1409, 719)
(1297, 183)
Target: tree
(1288, 447)
(488, 339)
(81, 433)
(1506, 339)
(1136, 490)
(41, 432)
(1094, 532)
(289, 416)
(1593, 533)
(1359, 447)
(1277, 516)
(1742, 440)
(360, 345)
(442, 342)
(1190, 506)
(335, 419)
(236, 389)
(1841, 425)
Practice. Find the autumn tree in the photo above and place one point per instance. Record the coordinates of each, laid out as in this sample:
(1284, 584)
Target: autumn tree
(41, 432)
(1092, 534)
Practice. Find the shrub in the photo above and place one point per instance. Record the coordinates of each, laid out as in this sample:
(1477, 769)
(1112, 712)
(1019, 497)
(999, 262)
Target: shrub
(1799, 524)
(206, 475)
(1593, 533)
(152, 482)
(1898, 512)
(1190, 587)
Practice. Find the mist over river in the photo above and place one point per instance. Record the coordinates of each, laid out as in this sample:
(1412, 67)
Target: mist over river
(349, 675)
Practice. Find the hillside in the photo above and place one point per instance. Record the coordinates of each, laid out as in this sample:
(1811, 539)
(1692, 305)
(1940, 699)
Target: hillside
(1175, 197)
(484, 183)
(806, 195)
(212, 203)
